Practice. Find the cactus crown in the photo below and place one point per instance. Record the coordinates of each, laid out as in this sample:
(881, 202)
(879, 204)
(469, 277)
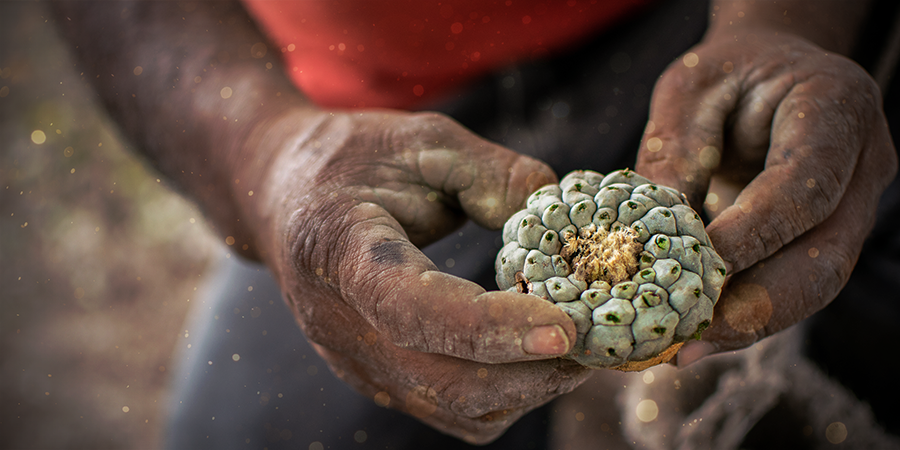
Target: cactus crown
(598, 255)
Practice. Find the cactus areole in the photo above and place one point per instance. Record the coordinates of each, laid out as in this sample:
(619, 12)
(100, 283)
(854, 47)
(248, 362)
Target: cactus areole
(627, 259)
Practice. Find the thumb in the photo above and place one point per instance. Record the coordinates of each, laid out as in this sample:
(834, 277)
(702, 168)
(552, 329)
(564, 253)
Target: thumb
(491, 182)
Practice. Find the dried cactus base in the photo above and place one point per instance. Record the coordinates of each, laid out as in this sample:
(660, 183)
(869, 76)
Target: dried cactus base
(628, 260)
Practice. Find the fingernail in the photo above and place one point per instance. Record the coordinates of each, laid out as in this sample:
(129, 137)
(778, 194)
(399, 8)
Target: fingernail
(546, 340)
(692, 352)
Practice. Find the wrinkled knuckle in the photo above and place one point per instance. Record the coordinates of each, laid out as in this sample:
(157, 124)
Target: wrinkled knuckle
(440, 122)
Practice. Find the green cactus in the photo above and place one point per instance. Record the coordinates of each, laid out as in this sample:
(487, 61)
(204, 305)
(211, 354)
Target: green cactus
(629, 260)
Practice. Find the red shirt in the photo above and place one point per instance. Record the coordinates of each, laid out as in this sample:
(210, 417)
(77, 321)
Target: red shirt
(400, 53)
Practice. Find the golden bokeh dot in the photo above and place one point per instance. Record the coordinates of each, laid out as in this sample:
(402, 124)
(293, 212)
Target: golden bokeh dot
(801, 115)
(712, 198)
(235, 357)
(648, 377)
(810, 183)
(138, 70)
(813, 252)
(229, 240)
(258, 50)
(691, 59)
(125, 409)
(198, 79)
(38, 137)
(482, 373)
(728, 67)
(68, 151)
(382, 399)
(758, 106)
(226, 92)
(651, 127)
(647, 410)
(836, 432)
(710, 157)
(495, 310)
(654, 144)
(579, 416)
(748, 309)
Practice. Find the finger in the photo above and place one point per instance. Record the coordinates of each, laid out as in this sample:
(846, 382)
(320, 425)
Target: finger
(807, 274)
(490, 182)
(473, 401)
(683, 141)
(364, 254)
(818, 130)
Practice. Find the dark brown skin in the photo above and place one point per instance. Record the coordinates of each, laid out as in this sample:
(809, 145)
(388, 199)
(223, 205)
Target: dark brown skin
(342, 200)
(801, 128)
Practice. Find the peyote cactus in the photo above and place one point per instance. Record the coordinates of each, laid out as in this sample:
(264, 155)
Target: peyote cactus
(627, 259)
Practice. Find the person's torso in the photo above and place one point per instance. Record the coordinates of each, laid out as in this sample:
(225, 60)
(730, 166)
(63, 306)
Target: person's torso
(400, 53)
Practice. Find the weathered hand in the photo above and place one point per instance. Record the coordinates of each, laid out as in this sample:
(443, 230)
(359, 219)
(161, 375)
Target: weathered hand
(348, 202)
(805, 129)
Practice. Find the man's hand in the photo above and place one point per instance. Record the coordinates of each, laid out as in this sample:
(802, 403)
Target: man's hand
(347, 201)
(336, 205)
(802, 129)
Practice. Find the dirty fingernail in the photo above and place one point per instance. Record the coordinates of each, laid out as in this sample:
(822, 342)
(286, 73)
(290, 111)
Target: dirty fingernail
(693, 352)
(546, 340)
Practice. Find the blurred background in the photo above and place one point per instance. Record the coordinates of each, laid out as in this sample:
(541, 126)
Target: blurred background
(99, 259)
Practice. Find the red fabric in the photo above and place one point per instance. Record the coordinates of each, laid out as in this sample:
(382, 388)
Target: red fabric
(399, 53)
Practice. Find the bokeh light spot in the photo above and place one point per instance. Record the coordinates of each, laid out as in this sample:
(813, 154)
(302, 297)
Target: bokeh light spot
(836, 432)
(654, 144)
(38, 137)
(691, 59)
(226, 92)
(710, 157)
(647, 410)
(382, 399)
(748, 307)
